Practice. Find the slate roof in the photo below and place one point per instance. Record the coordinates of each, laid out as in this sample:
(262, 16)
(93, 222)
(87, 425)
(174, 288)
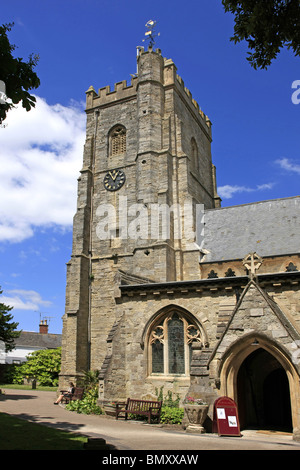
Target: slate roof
(269, 228)
(38, 340)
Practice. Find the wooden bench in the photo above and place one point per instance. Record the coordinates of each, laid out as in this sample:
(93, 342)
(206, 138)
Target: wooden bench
(140, 407)
(77, 395)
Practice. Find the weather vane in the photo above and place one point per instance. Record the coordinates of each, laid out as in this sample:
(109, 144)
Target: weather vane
(150, 33)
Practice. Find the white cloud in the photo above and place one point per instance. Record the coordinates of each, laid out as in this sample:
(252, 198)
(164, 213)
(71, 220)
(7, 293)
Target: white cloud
(41, 155)
(288, 165)
(227, 191)
(24, 300)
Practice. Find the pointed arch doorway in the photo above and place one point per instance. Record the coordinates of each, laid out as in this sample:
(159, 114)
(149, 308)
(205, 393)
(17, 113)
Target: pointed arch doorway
(258, 374)
(263, 393)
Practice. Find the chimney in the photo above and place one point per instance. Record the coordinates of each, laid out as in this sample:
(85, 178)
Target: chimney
(43, 327)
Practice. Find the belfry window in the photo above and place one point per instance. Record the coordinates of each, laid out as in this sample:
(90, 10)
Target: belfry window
(117, 140)
(170, 342)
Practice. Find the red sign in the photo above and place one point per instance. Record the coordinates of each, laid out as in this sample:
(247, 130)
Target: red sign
(226, 420)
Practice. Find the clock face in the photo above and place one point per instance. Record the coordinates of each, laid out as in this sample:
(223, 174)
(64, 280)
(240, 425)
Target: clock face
(114, 180)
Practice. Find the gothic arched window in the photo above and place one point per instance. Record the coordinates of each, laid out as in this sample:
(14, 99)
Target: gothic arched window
(117, 140)
(170, 342)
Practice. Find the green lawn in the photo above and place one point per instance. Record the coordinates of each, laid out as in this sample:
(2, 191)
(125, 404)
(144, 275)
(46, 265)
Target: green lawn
(18, 434)
(27, 387)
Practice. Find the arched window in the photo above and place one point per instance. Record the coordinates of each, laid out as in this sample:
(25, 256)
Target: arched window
(194, 155)
(170, 341)
(117, 140)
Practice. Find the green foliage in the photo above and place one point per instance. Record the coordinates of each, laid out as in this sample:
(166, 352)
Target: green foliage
(12, 374)
(267, 26)
(171, 402)
(159, 394)
(17, 75)
(88, 404)
(168, 400)
(43, 365)
(91, 379)
(8, 331)
(171, 415)
(170, 411)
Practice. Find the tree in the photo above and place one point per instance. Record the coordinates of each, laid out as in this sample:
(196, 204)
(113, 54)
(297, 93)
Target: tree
(267, 26)
(18, 76)
(7, 327)
(43, 365)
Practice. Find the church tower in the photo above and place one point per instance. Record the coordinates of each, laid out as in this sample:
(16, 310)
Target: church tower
(147, 167)
(154, 301)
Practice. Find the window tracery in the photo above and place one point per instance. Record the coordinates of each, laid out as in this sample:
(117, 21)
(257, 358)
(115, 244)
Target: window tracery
(117, 141)
(170, 343)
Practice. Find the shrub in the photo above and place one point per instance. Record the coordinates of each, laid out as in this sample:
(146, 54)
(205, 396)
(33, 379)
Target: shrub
(170, 402)
(13, 374)
(88, 404)
(171, 415)
(170, 411)
(42, 365)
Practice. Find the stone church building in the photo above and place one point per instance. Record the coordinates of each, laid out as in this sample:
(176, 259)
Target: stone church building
(165, 288)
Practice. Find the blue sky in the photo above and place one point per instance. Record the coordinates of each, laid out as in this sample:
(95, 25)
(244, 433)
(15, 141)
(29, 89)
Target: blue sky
(81, 43)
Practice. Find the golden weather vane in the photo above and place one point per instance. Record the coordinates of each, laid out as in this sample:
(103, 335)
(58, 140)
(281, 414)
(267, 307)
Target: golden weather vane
(150, 33)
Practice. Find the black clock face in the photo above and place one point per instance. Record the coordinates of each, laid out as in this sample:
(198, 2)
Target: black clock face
(114, 180)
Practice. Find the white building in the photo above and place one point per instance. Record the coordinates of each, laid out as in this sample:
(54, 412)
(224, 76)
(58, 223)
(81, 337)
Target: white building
(28, 342)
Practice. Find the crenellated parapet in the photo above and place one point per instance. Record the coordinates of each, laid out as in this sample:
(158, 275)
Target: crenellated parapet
(106, 96)
(171, 78)
(122, 91)
(190, 98)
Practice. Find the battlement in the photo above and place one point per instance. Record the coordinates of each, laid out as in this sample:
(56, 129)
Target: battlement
(105, 95)
(193, 102)
(122, 91)
(172, 78)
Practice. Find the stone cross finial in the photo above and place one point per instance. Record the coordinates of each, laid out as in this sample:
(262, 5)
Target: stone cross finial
(252, 262)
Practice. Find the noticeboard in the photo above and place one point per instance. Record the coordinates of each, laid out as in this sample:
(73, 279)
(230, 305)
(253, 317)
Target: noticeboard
(225, 419)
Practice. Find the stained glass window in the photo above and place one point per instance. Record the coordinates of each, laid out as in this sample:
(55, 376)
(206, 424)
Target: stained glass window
(170, 345)
(176, 346)
(157, 357)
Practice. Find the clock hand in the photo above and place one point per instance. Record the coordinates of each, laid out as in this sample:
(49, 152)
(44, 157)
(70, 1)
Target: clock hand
(113, 178)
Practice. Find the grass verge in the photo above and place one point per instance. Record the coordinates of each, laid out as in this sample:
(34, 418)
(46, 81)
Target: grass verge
(18, 434)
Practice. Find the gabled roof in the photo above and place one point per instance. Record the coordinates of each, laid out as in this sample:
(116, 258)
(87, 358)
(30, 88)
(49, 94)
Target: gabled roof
(286, 323)
(28, 339)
